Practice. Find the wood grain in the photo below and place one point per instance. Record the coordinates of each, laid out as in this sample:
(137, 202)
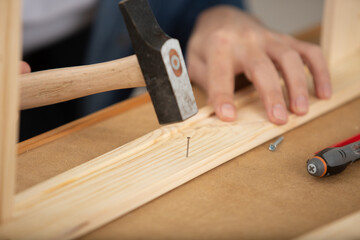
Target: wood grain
(63, 84)
(9, 70)
(340, 32)
(113, 184)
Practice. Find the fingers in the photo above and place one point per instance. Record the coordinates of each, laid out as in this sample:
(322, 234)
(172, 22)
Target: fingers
(291, 65)
(220, 82)
(196, 69)
(259, 68)
(235, 43)
(316, 62)
(24, 67)
(261, 71)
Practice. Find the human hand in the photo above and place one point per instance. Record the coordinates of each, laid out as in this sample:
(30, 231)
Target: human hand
(24, 67)
(227, 42)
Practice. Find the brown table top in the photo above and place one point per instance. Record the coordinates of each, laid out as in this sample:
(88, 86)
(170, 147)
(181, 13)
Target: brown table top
(260, 194)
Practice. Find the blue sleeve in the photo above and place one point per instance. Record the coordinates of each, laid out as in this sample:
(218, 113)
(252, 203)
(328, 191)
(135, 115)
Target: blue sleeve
(109, 39)
(178, 17)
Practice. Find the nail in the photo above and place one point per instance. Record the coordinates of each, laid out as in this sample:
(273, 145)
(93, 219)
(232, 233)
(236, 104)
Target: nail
(279, 112)
(301, 104)
(228, 111)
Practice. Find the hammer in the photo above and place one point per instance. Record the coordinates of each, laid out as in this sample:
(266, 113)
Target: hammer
(158, 61)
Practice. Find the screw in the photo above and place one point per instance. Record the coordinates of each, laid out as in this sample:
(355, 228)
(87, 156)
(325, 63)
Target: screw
(273, 146)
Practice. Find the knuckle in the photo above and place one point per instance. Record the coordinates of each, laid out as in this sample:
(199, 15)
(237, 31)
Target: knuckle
(216, 96)
(255, 38)
(287, 38)
(313, 50)
(272, 95)
(273, 36)
(258, 68)
(222, 37)
(250, 35)
(298, 88)
(253, 71)
(288, 55)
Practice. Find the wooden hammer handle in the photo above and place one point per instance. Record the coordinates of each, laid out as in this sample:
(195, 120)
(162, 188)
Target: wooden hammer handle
(58, 85)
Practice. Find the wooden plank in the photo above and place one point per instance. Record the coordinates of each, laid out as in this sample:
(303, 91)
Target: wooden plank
(82, 123)
(311, 34)
(111, 185)
(341, 32)
(9, 70)
(347, 228)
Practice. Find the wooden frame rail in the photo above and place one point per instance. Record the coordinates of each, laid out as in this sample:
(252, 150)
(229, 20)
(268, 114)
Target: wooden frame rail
(9, 69)
(94, 193)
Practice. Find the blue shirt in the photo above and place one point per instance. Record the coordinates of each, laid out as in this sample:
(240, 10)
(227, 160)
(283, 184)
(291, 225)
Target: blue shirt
(110, 40)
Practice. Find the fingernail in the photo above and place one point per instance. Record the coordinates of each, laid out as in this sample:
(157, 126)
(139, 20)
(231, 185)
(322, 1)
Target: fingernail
(326, 89)
(227, 110)
(301, 104)
(279, 112)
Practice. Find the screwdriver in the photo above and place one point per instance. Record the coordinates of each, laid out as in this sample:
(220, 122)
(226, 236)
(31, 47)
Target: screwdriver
(332, 161)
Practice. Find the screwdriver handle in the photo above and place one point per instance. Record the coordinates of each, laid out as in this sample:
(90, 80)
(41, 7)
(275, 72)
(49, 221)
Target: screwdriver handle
(342, 155)
(332, 161)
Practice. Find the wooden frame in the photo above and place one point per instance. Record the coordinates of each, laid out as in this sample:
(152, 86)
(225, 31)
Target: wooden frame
(115, 183)
(9, 68)
(341, 37)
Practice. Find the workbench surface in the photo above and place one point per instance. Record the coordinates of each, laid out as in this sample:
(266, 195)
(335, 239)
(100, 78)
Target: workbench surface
(260, 194)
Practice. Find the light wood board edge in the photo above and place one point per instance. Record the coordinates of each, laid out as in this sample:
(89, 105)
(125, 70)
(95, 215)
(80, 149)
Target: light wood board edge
(82, 123)
(347, 228)
(94, 193)
(9, 70)
(340, 36)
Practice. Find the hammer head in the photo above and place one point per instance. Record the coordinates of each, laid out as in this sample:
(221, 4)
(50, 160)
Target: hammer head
(161, 62)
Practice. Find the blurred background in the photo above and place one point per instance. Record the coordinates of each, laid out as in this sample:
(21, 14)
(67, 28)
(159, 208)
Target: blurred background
(287, 16)
(72, 33)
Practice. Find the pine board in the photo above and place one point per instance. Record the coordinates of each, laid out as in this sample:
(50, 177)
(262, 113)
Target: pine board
(341, 34)
(9, 70)
(347, 228)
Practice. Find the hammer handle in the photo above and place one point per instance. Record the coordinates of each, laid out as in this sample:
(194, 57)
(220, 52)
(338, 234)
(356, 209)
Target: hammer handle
(58, 85)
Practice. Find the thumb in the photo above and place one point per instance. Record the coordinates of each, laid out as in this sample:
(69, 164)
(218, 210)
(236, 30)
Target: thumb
(24, 67)
(220, 84)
